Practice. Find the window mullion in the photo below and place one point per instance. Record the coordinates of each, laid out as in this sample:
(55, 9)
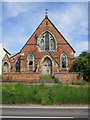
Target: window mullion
(48, 42)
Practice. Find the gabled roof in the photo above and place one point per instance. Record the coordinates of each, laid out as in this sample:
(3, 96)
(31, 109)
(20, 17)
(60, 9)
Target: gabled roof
(46, 17)
(15, 54)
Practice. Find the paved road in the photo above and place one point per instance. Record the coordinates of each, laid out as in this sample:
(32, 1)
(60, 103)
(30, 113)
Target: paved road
(44, 112)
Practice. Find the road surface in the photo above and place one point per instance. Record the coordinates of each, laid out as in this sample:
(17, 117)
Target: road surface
(44, 112)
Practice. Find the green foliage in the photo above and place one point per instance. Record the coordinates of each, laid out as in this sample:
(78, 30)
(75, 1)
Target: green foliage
(0, 77)
(49, 78)
(79, 83)
(45, 95)
(46, 77)
(56, 80)
(85, 54)
(82, 65)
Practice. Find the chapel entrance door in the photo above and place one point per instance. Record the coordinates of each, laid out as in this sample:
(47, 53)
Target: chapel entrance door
(47, 67)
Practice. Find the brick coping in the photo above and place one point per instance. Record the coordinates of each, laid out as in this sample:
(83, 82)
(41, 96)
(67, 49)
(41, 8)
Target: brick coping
(39, 73)
(21, 73)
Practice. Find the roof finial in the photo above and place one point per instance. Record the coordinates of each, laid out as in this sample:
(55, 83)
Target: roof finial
(46, 13)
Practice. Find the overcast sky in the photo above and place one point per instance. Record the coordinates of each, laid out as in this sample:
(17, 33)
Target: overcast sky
(20, 19)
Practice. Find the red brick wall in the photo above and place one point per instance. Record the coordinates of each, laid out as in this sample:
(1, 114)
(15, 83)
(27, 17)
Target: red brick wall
(63, 77)
(68, 77)
(22, 76)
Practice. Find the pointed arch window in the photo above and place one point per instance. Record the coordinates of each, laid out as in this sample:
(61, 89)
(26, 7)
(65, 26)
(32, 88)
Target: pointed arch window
(30, 62)
(6, 67)
(47, 42)
(63, 61)
(18, 64)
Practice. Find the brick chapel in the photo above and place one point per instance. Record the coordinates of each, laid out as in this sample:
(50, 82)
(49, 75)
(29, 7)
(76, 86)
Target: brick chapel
(46, 52)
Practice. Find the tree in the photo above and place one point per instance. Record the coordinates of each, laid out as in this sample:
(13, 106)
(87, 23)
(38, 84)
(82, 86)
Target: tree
(82, 65)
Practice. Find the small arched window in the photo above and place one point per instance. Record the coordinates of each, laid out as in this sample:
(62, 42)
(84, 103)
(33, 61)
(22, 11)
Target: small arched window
(30, 62)
(6, 67)
(63, 60)
(18, 64)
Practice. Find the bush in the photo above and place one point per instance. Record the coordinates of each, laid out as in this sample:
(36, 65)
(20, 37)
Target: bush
(82, 65)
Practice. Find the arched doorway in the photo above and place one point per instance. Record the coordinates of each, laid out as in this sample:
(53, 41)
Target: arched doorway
(6, 68)
(47, 66)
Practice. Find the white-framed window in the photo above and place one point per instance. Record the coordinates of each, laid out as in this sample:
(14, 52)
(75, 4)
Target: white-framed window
(63, 59)
(47, 42)
(30, 62)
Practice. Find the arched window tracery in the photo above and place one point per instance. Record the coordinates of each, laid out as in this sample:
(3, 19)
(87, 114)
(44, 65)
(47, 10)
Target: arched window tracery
(47, 42)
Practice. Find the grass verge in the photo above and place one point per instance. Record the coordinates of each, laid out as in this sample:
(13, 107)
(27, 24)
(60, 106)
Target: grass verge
(45, 95)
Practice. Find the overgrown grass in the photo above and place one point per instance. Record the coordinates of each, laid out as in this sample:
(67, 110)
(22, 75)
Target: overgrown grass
(0, 77)
(46, 77)
(45, 95)
(49, 78)
(79, 83)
